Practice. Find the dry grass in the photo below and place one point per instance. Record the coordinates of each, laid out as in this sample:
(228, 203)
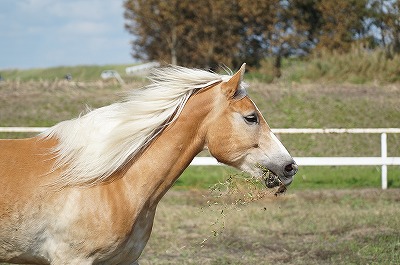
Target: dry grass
(308, 227)
(359, 66)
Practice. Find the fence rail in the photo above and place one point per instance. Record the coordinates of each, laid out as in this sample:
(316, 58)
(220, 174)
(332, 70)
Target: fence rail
(382, 161)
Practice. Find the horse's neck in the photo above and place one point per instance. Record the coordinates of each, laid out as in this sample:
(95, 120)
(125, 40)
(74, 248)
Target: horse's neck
(155, 171)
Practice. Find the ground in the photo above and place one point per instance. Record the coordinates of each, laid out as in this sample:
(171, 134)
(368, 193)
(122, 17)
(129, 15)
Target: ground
(357, 226)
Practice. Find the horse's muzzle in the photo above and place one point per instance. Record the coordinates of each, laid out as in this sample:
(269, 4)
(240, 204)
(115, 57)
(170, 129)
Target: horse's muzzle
(272, 180)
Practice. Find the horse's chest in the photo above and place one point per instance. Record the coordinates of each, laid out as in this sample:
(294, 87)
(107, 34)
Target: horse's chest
(108, 235)
(133, 244)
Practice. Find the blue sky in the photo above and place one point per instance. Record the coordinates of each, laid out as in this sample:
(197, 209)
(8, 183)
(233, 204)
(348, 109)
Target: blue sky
(45, 33)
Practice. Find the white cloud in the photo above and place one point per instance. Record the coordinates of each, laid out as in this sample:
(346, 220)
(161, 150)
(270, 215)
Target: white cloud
(63, 32)
(93, 17)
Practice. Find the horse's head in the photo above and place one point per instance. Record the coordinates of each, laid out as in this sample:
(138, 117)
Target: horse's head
(239, 136)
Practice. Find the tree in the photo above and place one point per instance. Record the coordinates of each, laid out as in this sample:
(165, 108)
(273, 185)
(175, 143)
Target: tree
(278, 28)
(189, 33)
(385, 16)
(156, 26)
(307, 22)
(201, 33)
(210, 32)
(342, 22)
(256, 24)
(291, 31)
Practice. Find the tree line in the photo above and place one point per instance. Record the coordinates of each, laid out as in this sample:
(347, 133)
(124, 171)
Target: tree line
(210, 32)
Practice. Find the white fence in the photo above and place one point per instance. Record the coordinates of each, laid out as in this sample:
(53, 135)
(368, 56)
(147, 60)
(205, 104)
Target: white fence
(382, 160)
(132, 70)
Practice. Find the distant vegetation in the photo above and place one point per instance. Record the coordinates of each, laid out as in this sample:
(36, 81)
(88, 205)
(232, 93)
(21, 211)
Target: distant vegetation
(359, 66)
(82, 73)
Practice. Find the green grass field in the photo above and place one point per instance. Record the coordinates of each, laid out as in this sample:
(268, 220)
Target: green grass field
(301, 227)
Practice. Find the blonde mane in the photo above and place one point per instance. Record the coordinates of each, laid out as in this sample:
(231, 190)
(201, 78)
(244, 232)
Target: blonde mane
(92, 147)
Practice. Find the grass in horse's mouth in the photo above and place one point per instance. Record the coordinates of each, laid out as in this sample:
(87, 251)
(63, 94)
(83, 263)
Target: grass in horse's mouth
(271, 180)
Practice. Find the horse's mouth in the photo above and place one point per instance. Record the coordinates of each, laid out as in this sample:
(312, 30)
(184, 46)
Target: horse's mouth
(271, 180)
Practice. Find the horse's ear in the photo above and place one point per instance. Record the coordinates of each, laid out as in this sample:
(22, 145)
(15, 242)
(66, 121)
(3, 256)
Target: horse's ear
(230, 87)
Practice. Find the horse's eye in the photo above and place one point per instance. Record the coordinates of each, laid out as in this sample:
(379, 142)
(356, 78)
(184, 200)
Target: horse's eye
(251, 119)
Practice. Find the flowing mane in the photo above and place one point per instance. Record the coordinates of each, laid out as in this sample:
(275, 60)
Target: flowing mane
(93, 146)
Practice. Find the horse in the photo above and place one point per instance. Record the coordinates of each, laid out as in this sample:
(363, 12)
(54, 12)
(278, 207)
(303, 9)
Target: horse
(86, 190)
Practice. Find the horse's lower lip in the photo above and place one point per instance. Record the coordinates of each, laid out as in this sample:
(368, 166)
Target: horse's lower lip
(271, 180)
(288, 181)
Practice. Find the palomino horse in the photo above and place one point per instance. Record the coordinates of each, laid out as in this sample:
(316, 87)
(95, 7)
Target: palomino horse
(86, 191)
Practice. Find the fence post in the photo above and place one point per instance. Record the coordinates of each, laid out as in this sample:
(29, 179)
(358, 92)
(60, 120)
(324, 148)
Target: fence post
(384, 156)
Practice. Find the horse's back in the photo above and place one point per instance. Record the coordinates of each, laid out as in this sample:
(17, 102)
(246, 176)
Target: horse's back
(24, 163)
(23, 167)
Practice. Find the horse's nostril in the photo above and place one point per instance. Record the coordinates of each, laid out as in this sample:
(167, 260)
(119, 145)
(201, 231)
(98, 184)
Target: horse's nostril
(291, 169)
